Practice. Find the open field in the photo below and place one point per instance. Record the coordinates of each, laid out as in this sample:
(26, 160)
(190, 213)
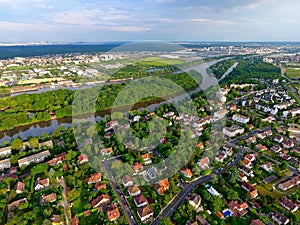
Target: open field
(266, 189)
(157, 61)
(293, 73)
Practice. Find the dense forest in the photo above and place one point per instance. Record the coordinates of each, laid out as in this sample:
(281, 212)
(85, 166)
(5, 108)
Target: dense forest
(251, 71)
(220, 68)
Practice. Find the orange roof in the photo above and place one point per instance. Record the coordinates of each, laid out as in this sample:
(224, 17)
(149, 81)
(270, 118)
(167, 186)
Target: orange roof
(137, 166)
(164, 183)
(187, 172)
(146, 156)
(220, 215)
(200, 145)
(246, 162)
(113, 213)
(244, 205)
(94, 178)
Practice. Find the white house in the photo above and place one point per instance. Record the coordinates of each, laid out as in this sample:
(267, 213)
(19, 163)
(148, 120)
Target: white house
(233, 130)
(240, 118)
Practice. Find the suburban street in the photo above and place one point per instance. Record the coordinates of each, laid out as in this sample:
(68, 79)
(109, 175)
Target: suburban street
(121, 197)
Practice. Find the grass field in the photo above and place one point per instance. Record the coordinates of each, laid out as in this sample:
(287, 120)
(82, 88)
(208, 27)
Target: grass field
(266, 189)
(157, 61)
(293, 73)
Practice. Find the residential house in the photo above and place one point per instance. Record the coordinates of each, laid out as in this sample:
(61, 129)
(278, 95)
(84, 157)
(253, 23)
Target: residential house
(96, 177)
(140, 201)
(55, 219)
(134, 191)
(290, 183)
(240, 118)
(194, 200)
(113, 213)
(200, 145)
(147, 159)
(57, 160)
(37, 158)
(239, 209)
(251, 140)
(99, 186)
(276, 148)
(247, 163)
(137, 167)
(41, 184)
(20, 187)
(100, 200)
(268, 167)
(280, 218)
(83, 158)
(162, 186)
(186, 172)
(288, 143)
(246, 171)
(152, 172)
(5, 164)
(220, 157)
(48, 198)
(288, 205)
(252, 191)
(261, 147)
(233, 130)
(127, 181)
(201, 220)
(278, 138)
(285, 155)
(220, 215)
(106, 151)
(256, 222)
(145, 213)
(242, 177)
(204, 163)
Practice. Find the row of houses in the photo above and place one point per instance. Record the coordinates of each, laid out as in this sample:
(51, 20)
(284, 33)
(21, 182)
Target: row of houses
(144, 211)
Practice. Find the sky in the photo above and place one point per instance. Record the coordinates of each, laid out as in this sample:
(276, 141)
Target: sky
(138, 20)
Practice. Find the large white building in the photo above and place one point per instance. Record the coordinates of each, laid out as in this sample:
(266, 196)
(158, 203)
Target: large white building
(241, 118)
(6, 151)
(233, 130)
(37, 158)
(5, 164)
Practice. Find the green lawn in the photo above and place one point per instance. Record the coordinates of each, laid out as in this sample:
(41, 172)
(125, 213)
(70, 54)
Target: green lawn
(293, 73)
(157, 61)
(266, 189)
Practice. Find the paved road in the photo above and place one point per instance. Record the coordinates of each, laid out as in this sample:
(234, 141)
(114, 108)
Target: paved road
(121, 197)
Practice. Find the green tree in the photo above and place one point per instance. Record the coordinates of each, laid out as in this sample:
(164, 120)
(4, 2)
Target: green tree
(17, 144)
(166, 221)
(34, 143)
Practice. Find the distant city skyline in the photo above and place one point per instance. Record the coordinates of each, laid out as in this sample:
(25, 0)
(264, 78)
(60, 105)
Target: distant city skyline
(137, 20)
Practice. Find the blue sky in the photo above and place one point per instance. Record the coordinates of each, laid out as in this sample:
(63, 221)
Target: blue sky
(135, 20)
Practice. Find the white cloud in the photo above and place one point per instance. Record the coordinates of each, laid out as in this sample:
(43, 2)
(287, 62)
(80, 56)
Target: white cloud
(209, 21)
(89, 17)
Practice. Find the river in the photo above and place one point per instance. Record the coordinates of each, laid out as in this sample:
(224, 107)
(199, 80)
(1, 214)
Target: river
(48, 127)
